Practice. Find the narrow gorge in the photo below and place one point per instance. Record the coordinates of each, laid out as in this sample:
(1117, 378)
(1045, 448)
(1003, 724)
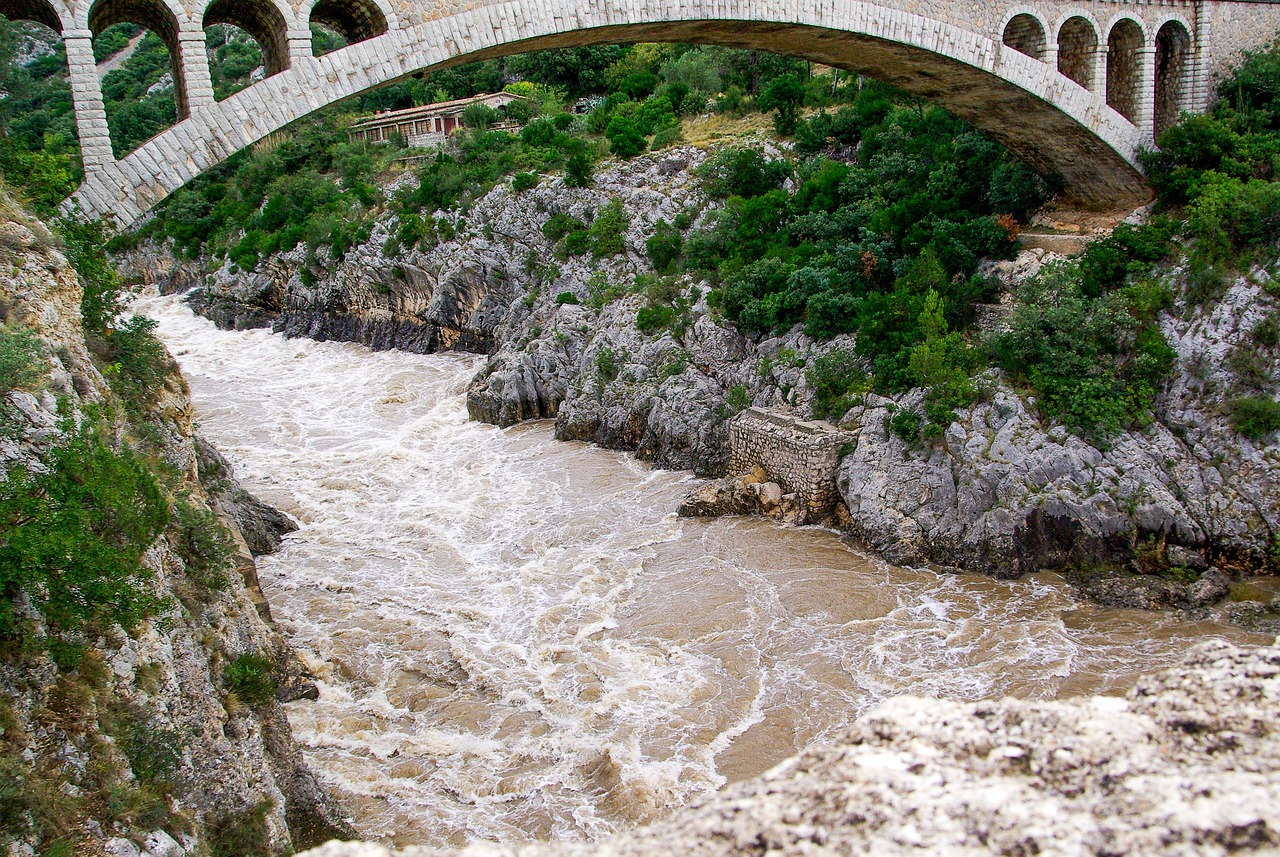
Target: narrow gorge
(634, 450)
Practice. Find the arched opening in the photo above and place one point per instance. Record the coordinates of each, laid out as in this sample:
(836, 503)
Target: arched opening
(36, 11)
(352, 20)
(246, 42)
(144, 92)
(41, 155)
(1024, 33)
(1077, 46)
(1173, 50)
(1124, 78)
(325, 40)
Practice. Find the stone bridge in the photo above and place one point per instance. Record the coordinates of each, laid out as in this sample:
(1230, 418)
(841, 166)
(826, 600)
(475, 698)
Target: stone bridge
(1075, 87)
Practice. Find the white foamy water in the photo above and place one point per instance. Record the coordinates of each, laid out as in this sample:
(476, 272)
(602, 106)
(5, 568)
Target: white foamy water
(516, 638)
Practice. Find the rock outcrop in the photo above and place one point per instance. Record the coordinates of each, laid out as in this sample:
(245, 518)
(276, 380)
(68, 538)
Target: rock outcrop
(1004, 492)
(1187, 763)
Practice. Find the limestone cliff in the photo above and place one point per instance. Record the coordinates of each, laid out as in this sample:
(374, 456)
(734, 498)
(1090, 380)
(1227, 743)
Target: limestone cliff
(139, 745)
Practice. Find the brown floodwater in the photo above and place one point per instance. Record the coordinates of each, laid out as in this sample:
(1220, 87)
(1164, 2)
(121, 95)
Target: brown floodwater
(516, 638)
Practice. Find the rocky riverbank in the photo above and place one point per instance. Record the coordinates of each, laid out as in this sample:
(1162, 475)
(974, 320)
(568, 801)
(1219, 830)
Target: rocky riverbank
(1002, 491)
(1188, 762)
(135, 742)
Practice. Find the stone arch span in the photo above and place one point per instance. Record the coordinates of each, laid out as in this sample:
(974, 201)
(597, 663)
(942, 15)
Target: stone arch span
(1056, 125)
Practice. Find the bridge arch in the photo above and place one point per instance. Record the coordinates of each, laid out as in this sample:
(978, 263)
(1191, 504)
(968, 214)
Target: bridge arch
(355, 20)
(39, 11)
(1126, 53)
(1173, 70)
(1024, 30)
(262, 21)
(1056, 125)
(1076, 42)
(161, 17)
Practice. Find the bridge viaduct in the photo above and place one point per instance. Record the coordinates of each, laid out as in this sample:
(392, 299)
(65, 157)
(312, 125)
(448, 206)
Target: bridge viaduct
(1076, 87)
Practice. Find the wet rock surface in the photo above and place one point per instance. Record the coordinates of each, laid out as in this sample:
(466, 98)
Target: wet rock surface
(1187, 763)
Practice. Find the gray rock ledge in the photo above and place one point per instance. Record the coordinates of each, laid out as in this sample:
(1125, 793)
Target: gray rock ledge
(1187, 763)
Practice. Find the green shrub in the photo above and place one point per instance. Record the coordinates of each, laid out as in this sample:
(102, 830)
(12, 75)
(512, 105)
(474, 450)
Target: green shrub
(567, 298)
(241, 834)
(608, 230)
(137, 362)
(1206, 281)
(1250, 365)
(251, 678)
(560, 224)
(577, 242)
(1267, 332)
(838, 382)
(625, 138)
(204, 543)
(737, 400)
(1129, 251)
(22, 364)
(601, 292)
(906, 424)
(1094, 363)
(650, 319)
(672, 135)
(1256, 417)
(607, 368)
(524, 181)
(154, 753)
(578, 169)
(75, 535)
(743, 172)
(664, 246)
(785, 94)
(105, 295)
(1230, 216)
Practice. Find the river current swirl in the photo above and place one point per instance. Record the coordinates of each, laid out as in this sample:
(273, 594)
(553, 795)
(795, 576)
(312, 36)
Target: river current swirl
(516, 638)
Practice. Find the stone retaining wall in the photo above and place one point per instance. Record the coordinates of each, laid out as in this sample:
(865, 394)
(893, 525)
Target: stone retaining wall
(800, 455)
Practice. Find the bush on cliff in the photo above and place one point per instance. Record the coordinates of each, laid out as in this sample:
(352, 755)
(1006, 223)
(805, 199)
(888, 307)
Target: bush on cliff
(1095, 362)
(73, 536)
(21, 359)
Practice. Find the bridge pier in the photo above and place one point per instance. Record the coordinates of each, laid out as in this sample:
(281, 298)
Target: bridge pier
(300, 51)
(1201, 86)
(1144, 118)
(196, 78)
(86, 97)
(1099, 87)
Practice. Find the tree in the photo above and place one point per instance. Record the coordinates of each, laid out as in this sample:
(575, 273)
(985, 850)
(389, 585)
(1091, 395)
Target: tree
(784, 94)
(479, 116)
(625, 139)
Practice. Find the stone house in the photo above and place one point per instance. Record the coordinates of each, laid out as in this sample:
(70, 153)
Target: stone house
(430, 124)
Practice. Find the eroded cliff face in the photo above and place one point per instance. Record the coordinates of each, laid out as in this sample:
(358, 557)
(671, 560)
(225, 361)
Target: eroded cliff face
(1187, 763)
(1002, 492)
(141, 746)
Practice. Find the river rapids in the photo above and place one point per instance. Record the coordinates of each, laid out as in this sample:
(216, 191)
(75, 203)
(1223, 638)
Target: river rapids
(517, 638)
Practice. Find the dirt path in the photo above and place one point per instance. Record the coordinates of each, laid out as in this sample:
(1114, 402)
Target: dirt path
(117, 59)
